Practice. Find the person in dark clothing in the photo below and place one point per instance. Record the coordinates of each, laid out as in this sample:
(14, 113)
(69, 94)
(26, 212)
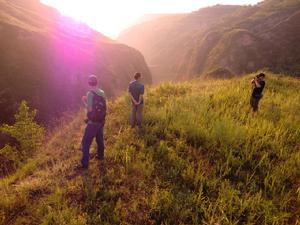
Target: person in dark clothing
(258, 87)
(136, 90)
(94, 100)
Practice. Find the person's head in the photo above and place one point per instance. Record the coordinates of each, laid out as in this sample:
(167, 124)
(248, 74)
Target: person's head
(92, 81)
(261, 76)
(137, 76)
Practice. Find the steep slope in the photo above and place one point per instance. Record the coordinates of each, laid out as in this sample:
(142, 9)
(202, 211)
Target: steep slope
(166, 41)
(239, 38)
(46, 58)
(152, 32)
(201, 158)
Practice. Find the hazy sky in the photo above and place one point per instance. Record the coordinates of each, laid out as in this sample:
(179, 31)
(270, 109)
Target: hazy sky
(112, 16)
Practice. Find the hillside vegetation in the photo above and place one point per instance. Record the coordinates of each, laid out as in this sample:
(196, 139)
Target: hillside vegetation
(201, 158)
(241, 39)
(46, 59)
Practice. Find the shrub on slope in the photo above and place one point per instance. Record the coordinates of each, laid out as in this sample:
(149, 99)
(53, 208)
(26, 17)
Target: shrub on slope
(27, 136)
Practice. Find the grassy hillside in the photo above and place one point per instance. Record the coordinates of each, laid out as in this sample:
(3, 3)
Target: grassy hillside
(201, 158)
(54, 55)
(242, 39)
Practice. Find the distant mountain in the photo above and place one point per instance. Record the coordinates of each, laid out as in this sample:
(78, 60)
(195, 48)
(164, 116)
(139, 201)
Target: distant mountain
(239, 39)
(46, 59)
(149, 17)
(153, 39)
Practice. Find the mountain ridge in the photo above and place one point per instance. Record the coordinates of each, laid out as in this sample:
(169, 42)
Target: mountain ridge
(191, 45)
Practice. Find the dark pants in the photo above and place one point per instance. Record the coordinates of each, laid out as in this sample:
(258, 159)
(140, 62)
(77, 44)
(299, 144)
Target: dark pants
(136, 115)
(254, 102)
(92, 131)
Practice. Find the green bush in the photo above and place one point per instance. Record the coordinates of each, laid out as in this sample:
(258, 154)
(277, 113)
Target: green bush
(28, 135)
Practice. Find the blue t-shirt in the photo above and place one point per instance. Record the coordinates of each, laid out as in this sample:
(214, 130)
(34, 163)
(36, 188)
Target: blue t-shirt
(136, 89)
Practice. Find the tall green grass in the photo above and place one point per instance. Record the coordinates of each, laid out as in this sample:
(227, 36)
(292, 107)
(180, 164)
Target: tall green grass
(201, 157)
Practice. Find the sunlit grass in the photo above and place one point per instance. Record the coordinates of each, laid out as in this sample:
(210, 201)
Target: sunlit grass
(201, 158)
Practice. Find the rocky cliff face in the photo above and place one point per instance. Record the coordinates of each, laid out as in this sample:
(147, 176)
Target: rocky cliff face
(240, 39)
(46, 59)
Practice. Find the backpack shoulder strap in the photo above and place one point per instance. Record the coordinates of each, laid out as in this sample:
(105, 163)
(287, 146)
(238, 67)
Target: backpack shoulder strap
(93, 92)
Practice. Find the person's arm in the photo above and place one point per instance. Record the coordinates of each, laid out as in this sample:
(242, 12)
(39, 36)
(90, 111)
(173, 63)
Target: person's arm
(84, 100)
(89, 102)
(131, 96)
(133, 100)
(141, 97)
(257, 83)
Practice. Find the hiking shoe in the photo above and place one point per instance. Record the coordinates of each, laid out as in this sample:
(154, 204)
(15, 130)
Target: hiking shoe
(99, 158)
(80, 167)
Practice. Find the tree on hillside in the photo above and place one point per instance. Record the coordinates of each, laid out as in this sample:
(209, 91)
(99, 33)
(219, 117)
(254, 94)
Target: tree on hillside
(27, 135)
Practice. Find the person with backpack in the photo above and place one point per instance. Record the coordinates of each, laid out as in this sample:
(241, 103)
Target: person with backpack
(136, 90)
(95, 103)
(258, 87)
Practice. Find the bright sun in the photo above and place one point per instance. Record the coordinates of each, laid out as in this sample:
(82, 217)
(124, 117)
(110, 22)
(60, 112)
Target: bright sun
(108, 17)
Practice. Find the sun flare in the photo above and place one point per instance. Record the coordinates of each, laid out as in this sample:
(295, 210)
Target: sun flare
(108, 17)
(113, 16)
